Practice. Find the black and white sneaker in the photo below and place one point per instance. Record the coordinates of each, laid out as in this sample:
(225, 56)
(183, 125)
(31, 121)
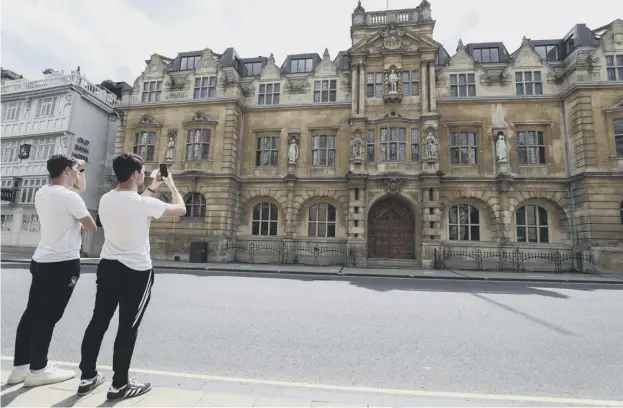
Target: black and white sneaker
(130, 390)
(86, 386)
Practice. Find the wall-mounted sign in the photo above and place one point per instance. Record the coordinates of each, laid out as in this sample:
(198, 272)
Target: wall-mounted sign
(81, 151)
(7, 194)
(24, 151)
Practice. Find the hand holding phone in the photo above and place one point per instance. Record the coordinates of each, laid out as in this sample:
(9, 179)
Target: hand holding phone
(164, 171)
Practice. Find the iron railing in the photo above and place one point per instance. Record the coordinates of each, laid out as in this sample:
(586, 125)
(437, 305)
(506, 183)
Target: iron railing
(514, 259)
(280, 252)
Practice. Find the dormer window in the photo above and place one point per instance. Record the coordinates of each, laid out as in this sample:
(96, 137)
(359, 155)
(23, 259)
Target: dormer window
(547, 52)
(614, 67)
(486, 55)
(301, 65)
(252, 68)
(189, 62)
(570, 44)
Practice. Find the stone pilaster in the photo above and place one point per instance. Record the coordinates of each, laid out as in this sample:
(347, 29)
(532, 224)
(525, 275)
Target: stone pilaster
(424, 93)
(362, 90)
(504, 219)
(432, 86)
(290, 227)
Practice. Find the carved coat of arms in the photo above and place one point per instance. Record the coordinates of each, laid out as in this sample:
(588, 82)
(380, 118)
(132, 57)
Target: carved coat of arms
(392, 38)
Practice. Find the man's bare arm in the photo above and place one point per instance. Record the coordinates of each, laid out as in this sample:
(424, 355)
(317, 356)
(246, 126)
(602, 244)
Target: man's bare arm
(88, 225)
(177, 208)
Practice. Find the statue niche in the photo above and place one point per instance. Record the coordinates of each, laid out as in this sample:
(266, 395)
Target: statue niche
(392, 84)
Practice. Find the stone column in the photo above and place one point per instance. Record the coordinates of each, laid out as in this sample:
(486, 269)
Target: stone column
(290, 221)
(432, 86)
(356, 223)
(504, 218)
(431, 220)
(424, 92)
(354, 87)
(362, 90)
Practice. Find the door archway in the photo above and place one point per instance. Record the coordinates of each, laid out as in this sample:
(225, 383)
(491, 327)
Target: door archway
(391, 229)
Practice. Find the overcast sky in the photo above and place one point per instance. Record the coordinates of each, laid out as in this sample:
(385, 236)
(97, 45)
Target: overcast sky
(111, 39)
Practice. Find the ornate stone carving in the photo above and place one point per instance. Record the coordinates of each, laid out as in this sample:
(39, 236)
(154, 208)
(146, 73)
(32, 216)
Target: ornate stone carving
(392, 38)
(293, 152)
(500, 148)
(297, 85)
(172, 135)
(176, 95)
(147, 120)
(392, 185)
(430, 150)
(357, 146)
(178, 83)
(326, 56)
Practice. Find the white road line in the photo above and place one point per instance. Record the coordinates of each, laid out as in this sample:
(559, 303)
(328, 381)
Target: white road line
(347, 388)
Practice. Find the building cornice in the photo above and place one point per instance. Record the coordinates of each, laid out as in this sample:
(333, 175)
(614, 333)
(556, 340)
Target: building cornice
(590, 86)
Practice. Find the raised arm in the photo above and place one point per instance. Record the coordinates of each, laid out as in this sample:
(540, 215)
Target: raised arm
(177, 208)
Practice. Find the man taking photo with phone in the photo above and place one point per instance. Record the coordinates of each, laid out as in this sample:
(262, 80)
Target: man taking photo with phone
(125, 274)
(55, 269)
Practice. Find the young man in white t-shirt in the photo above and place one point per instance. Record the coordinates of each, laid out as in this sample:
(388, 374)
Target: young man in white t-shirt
(55, 269)
(125, 274)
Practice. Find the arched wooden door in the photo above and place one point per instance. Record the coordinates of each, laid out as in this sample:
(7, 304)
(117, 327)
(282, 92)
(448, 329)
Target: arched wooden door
(391, 230)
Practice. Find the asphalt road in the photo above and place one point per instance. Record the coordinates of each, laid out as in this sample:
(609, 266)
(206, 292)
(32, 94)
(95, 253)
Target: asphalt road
(555, 340)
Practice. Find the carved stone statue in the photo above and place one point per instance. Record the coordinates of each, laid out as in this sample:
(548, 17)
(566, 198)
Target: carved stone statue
(357, 146)
(431, 145)
(393, 81)
(170, 149)
(500, 147)
(293, 152)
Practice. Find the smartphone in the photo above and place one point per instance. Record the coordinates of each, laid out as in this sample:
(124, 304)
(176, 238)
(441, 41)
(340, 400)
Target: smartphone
(164, 172)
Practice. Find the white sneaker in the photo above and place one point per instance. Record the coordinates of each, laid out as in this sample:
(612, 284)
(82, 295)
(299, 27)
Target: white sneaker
(17, 376)
(50, 375)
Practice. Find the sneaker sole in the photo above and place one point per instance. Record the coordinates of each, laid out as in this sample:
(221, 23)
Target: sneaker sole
(82, 394)
(124, 397)
(14, 382)
(26, 384)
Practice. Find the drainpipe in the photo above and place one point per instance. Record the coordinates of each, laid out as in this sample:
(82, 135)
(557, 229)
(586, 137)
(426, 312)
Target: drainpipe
(570, 188)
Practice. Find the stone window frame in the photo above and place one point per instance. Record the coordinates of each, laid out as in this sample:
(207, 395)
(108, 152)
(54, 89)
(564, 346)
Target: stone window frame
(409, 84)
(621, 212)
(6, 222)
(136, 145)
(370, 143)
(546, 49)
(9, 151)
(538, 224)
(43, 148)
(272, 149)
(540, 147)
(196, 206)
(387, 143)
(256, 67)
(264, 95)
(415, 144)
(259, 220)
(374, 84)
(31, 222)
(328, 148)
(469, 85)
(46, 107)
(205, 131)
(618, 137)
(525, 82)
(470, 224)
(317, 222)
(205, 83)
(472, 148)
(331, 90)
(149, 91)
(29, 188)
(11, 111)
(614, 65)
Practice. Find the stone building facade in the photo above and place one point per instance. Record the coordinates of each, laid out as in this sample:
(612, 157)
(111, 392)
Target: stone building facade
(392, 151)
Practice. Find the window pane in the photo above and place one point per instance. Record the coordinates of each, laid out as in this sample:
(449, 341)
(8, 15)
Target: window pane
(543, 235)
(331, 230)
(255, 228)
(454, 232)
(331, 213)
(454, 215)
(274, 214)
(265, 211)
(475, 233)
(521, 234)
(531, 215)
(542, 216)
(313, 210)
(474, 217)
(264, 228)
(273, 228)
(520, 216)
(322, 212)
(464, 232)
(322, 230)
(532, 234)
(311, 229)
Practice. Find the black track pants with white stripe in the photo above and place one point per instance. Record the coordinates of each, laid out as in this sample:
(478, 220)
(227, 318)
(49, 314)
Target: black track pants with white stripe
(131, 290)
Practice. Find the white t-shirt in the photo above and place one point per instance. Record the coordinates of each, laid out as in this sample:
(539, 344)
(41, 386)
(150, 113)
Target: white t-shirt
(59, 210)
(126, 217)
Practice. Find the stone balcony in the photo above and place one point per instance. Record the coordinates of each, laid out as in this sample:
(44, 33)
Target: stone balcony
(388, 17)
(75, 79)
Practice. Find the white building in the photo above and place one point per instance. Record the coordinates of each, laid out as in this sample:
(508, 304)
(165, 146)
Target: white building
(57, 114)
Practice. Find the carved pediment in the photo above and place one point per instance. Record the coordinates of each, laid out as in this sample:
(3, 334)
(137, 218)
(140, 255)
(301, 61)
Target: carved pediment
(147, 121)
(200, 118)
(526, 57)
(155, 66)
(326, 67)
(297, 85)
(207, 63)
(461, 60)
(610, 42)
(270, 70)
(395, 39)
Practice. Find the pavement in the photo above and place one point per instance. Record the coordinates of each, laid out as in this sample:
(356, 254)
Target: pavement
(420, 273)
(357, 340)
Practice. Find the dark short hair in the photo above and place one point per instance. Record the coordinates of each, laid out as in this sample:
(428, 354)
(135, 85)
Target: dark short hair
(58, 163)
(125, 164)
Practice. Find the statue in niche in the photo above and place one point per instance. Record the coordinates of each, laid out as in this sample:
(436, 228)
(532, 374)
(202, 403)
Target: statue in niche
(393, 81)
(293, 152)
(170, 149)
(357, 147)
(431, 145)
(500, 147)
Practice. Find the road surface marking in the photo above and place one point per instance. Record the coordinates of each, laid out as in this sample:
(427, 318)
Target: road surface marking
(347, 388)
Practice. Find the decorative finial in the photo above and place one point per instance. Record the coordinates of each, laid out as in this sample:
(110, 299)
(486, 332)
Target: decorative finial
(525, 40)
(359, 8)
(424, 4)
(460, 46)
(271, 58)
(326, 55)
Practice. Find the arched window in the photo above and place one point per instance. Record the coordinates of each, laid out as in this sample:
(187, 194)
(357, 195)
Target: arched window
(195, 206)
(321, 222)
(531, 221)
(265, 218)
(621, 212)
(464, 223)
